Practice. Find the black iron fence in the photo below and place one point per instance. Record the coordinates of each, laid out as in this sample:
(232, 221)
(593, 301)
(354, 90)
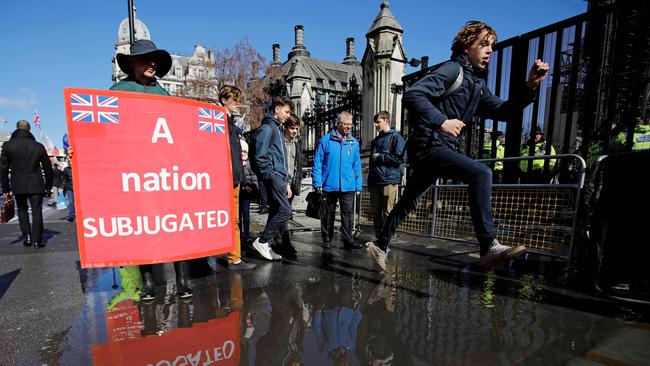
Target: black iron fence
(583, 103)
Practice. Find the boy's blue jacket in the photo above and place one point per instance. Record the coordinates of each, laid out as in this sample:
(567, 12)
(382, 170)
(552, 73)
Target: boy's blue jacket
(337, 164)
(270, 151)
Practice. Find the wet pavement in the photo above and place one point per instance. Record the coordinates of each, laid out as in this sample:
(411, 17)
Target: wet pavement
(326, 307)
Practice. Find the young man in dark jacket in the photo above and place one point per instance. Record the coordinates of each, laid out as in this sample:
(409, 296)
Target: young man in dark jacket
(291, 131)
(28, 162)
(142, 65)
(434, 147)
(230, 97)
(271, 162)
(385, 171)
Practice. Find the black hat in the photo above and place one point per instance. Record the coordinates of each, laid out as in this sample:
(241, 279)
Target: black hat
(143, 47)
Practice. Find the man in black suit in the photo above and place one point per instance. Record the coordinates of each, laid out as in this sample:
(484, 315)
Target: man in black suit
(31, 179)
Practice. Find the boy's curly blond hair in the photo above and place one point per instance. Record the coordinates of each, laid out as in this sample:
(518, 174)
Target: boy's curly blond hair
(469, 33)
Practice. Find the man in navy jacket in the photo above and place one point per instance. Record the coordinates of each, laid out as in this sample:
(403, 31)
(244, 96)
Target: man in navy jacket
(271, 163)
(337, 173)
(385, 173)
(438, 119)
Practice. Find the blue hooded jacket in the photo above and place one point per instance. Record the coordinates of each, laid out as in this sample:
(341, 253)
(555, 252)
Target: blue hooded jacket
(270, 151)
(337, 164)
(387, 167)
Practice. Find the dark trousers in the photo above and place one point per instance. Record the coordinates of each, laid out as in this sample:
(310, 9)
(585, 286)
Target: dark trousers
(448, 164)
(244, 218)
(327, 221)
(279, 207)
(36, 227)
(263, 195)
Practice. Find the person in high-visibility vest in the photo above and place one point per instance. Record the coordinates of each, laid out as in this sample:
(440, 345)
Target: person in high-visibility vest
(640, 140)
(486, 153)
(536, 175)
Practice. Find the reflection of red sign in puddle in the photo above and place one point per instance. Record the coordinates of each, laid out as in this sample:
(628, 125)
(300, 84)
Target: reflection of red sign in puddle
(213, 343)
(124, 322)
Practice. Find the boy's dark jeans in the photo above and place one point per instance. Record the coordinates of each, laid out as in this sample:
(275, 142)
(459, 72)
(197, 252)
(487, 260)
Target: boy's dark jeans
(446, 163)
(279, 207)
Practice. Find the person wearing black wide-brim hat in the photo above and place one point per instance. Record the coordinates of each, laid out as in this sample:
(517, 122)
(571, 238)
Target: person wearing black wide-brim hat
(142, 65)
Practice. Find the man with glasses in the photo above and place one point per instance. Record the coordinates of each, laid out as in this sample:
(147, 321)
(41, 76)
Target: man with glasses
(337, 173)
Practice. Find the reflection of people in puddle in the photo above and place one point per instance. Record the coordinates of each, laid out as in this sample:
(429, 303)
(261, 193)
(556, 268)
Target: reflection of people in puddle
(282, 343)
(378, 342)
(336, 321)
(131, 283)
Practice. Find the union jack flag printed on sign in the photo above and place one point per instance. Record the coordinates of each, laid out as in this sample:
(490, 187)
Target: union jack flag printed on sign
(209, 120)
(94, 108)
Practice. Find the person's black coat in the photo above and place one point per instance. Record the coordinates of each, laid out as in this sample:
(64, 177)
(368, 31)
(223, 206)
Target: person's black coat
(234, 134)
(296, 180)
(66, 179)
(31, 169)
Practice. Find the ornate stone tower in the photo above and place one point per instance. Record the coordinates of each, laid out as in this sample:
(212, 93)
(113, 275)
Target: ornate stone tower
(383, 65)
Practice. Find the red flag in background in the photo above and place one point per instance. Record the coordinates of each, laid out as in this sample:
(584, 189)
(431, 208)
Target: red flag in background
(37, 119)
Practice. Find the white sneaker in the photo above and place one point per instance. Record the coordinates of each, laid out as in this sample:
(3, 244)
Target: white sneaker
(274, 256)
(378, 255)
(498, 253)
(263, 249)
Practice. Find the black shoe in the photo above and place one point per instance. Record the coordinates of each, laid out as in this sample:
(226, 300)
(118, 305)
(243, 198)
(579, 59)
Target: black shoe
(183, 289)
(38, 245)
(69, 218)
(353, 246)
(27, 240)
(264, 210)
(240, 266)
(327, 246)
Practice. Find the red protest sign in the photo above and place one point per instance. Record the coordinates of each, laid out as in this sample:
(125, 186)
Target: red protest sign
(152, 177)
(214, 342)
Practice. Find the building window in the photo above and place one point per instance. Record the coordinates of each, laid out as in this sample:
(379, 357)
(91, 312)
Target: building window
(344, 85)
(178, 72)
(319, 83)
(332, 85)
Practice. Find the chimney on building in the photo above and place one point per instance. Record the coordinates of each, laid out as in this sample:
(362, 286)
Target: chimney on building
(350, 58)
(300, 35)
(299, 48)
(276, 55)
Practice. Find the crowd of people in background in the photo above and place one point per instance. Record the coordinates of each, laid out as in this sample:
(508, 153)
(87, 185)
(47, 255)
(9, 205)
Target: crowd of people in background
(267, 164)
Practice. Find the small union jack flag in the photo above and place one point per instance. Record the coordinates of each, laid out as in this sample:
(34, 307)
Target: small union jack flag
(94, 108)
(209, 120)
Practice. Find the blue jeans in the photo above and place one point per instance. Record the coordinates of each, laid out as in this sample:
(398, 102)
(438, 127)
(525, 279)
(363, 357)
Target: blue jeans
(446, 163)
(279, 207)
(69, 196)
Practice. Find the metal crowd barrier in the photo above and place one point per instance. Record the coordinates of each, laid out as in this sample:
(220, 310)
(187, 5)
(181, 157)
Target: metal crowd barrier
(541, 216)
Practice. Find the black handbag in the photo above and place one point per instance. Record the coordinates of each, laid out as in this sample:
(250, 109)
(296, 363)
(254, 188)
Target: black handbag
(7, 210)
(316, 205)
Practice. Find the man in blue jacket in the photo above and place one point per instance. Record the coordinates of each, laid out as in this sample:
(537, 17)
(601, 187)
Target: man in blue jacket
(271, 164)
(438, 117)
(385, 173)
(337, 173)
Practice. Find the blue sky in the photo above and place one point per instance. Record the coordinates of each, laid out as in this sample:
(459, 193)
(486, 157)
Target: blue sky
(49, 45)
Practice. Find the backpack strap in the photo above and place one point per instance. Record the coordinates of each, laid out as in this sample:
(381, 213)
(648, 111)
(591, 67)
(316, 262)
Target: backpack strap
(456, 84)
